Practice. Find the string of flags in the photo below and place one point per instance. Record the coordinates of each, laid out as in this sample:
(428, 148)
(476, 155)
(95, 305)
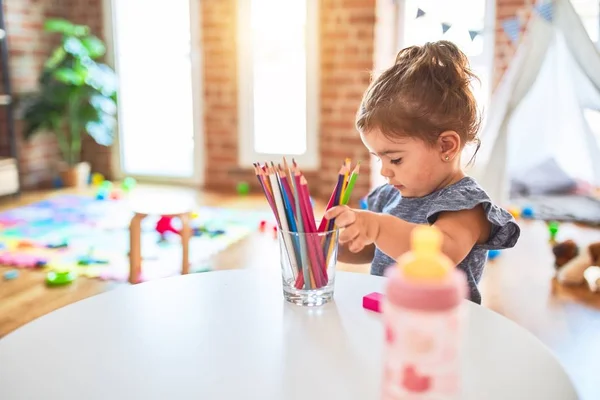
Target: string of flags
(513, 26)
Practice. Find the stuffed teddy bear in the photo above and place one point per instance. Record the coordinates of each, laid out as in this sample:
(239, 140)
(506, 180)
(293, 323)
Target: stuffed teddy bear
(575, 267)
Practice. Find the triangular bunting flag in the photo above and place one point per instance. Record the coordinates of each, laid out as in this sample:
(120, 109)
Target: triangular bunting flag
(446, 26)
(512, 27)
(420, 13)
(545, 11)
(473, 34)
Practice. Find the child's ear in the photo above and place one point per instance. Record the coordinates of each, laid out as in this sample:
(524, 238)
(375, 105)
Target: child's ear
(449, 145)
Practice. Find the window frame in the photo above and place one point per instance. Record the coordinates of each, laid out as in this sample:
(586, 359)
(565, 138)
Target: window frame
(246, 154)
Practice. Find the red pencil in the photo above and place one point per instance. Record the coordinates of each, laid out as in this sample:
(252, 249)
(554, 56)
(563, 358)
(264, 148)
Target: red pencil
(331, 201)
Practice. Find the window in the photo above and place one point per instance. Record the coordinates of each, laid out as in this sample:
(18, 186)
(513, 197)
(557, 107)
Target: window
(159, 138)
(463, 16)
(278, 78)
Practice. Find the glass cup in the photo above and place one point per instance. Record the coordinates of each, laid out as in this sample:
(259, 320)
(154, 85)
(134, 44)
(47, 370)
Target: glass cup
(308, 263)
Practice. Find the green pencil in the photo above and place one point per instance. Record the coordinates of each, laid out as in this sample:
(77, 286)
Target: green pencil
(351, 182)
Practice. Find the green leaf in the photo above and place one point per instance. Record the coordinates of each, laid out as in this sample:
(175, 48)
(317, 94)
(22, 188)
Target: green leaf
(57, 57)
(67, 28)
(69, 76)
(58, 25)
(81, 31)
(103, 130)
(104, 104)
(73, 46)
(94, 46)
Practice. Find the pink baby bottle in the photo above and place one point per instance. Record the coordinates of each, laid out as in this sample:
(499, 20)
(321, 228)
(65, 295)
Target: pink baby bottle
(424, 321)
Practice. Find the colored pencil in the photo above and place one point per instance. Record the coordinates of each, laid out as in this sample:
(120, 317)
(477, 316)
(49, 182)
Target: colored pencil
(287, 192)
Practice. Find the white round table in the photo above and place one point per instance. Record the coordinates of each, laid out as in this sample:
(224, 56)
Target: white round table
(230, 335)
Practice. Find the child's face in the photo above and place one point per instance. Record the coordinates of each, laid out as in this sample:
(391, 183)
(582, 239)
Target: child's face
(415, 168)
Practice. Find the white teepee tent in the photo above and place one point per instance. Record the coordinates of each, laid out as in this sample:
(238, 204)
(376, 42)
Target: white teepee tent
(537, 113)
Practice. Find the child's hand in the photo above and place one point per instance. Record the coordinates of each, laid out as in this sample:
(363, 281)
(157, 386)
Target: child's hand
(361, 227)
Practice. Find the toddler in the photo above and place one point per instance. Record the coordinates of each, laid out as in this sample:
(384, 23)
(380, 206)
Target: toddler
(416, 118)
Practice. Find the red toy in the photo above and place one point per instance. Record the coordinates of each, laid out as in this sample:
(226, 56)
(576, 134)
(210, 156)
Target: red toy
(372, 301)
(165, 225)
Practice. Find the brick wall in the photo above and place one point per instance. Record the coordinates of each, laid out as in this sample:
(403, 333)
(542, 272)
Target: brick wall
(29, 48)
(346, 54)
(504, 48)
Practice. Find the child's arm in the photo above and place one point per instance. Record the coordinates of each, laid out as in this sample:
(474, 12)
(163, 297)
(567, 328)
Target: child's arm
(364, 256)
(461, 230)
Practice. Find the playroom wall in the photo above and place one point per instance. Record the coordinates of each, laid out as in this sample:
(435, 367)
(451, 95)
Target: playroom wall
(29, 48)
(346, 59)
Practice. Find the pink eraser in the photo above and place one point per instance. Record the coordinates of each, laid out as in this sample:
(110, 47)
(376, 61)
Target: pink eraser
(372, 301)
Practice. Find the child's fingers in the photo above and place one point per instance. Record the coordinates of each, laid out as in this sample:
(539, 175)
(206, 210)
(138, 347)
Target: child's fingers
(334, 212)
(356, 245)
(349, 234)
(346, 218)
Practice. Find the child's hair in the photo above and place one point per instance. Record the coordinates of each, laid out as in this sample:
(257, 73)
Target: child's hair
(426, 92)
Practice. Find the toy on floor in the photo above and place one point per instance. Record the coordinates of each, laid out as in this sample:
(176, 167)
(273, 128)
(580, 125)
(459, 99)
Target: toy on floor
(514, 212)
(90, 260)
(164, 225)
(572, 264)
(527, 212)
(493, 254)
(128, 184)
(60, 278)
(10, 275)
(97, 179)
(553, 229)
(243, 188)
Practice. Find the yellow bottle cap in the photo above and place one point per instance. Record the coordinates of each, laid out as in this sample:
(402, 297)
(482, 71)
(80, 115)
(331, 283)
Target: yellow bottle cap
(425, 261)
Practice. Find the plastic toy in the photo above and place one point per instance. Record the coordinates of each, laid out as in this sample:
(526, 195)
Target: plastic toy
(97, 179)
(262, 226)
(101, 194)
(199, 231)
(553, 229)
(164, 225)
(575, 267)
(10, 275)
(107, 185)
(243, 188)
(372, 301)
(58, 245)
(527, 212)
(60, 278)
(493, 254)
(115, 194)
(90, 260)
(363, 204)
(128, 184)
(514, 212)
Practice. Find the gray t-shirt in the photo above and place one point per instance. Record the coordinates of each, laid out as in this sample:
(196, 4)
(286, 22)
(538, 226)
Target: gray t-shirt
(462, 195)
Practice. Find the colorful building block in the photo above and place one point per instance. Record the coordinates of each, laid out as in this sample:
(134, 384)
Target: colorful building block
(373, 301)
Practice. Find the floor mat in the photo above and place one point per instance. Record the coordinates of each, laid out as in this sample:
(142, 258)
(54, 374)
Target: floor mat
(91, 237)
(564, 208)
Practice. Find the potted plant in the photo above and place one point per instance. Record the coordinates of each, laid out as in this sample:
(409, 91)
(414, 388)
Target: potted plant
(77, 95)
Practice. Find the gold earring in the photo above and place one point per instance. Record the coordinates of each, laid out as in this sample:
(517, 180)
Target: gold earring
(447, 158)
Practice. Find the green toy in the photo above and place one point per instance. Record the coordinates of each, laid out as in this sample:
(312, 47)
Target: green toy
(128, 184)
(553, 228)
(106, 185)
(60, 278)
(243, 188)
